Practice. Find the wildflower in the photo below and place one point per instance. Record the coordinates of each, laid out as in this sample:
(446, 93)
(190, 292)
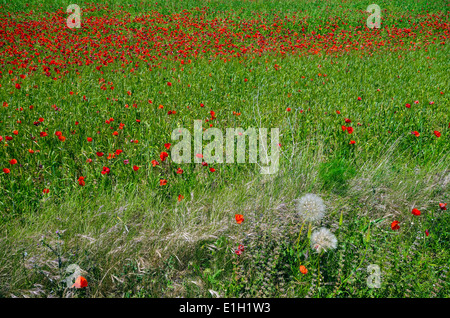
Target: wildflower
(427, 232)
(6, 170)
(13, 161)
(45, 191)
(443, 206)
(415, 133)
(167, 145)
(155, 163)
(162, 182)
(239, 218)
(395, 225)
(135, 168)
(408, 105)
(180, 197)
(81, 181)
(89, 139)
(105, 170)
(303, 269)
(311, 207)
(163, 155)
(238, 252)
(415, 211)
(437, 133)
(180, 171)
(212, 169)
(323, 240)
(80, 282)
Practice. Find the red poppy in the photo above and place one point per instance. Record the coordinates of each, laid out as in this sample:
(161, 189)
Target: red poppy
(427, 232)
(347, 120)
(437, 133)
(241, 247)
(408, 105)
(119, 151)
(154, 163)
(13, 161)
(180, 197)
(180, 171)
(46, 191)
(62, 138)
(81, 181)
(288, 109)
(163, 155)
(352, 142)
(100, 154)
(6, 170)
(303, 270)
(41, 119)
(17, 85)
(415, 133)
(344, 128)
(239, 218)
(212, 169)
(443, 206)
(204, 164)
(238, 252)
(105, 170)
(135, 168)
(169, 84)
(58, 133)
(80, 282)
(350, 130)
(162, 182)
(359, 98)
(395, 225)
(415, 211)
(16, 132)
(89, 139)
(167, 145)
(115, 133)
(338, 112)
(43, 134)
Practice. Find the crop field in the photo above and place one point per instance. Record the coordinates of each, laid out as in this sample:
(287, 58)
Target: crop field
(225, 148)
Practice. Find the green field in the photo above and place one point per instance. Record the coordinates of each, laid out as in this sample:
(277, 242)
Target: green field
(87, 113)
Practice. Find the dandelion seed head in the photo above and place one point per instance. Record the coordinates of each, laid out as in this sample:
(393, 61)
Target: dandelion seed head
(311, 207)
(323, 240)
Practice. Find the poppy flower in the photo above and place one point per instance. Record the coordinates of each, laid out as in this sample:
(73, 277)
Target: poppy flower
(212, 169)
(80, 282)
(30, 150)
(180, 197)
(204, 164)
(415, 133)
(162, 182)
(437, 133)
(81, 181)
(338, 112)
(359, 98)
(100, 154)
(17, 85)
(163, 155)
(395, 225)
(43, 134)
(238, 252)
(180, 171)
(241, 247)
(13, 161)
(1, 138)
(415, 211)
(167, 145)
(16, 132)
(46, 191)
(115, 133)
(303, 269)
(119, 151)
(135, 168)
(105, 170)
(443, 206)
(89, 139)
(169, 84)
(41, 119)
(89, 160)
(350, 130)
(155, 163)
(344, 128)
(239, 218)
(58, 133)
(352, 142)
(62, 138)
(427, 232)
(408, 105)
(288, 109)
(6, 170)
(347, 120)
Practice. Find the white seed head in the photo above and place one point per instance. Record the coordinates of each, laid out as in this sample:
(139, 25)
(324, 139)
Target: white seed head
(323, 240)
(311, 207)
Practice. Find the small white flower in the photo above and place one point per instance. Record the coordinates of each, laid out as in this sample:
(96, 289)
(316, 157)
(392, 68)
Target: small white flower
(323, 240)
(311, 207)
